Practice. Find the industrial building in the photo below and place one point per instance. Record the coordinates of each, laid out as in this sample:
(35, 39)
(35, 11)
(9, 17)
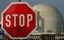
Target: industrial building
(49, 18)
(49, 23)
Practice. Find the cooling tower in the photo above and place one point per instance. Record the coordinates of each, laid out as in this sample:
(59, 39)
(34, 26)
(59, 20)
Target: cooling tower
(49, 19)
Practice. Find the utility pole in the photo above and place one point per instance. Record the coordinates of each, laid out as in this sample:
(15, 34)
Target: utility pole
(19, 0)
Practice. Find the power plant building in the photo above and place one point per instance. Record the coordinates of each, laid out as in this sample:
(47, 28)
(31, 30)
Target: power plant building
(49, 18)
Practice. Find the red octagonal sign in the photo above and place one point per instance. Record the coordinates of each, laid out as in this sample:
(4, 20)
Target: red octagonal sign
(18, 20)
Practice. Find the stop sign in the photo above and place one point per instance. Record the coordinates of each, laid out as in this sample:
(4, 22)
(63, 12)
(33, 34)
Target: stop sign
(18, 20)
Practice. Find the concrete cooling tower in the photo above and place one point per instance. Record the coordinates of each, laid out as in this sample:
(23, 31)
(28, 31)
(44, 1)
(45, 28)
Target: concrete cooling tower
(49, 19)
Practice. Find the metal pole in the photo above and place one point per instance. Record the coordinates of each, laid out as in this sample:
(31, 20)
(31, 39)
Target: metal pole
(28, 1)
(19, 0)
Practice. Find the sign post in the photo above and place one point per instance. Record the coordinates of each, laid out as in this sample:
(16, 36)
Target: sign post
(19, 0)
(18, 20)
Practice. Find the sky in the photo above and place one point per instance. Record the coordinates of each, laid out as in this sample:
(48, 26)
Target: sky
(59, 4)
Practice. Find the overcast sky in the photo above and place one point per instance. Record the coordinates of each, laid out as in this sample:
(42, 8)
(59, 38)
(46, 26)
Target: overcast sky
(59, 4)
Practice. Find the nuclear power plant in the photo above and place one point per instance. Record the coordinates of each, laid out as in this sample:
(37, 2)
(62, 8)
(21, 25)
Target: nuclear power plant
(49, 23)
(49, 18)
